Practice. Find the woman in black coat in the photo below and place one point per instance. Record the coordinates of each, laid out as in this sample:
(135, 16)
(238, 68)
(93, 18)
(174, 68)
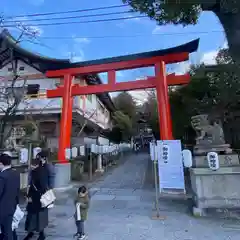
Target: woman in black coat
(40, 182)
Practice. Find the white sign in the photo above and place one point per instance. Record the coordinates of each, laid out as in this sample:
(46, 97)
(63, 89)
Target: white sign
(23, 155)
(68, 153)
(213, 161)
(36, 150)
(82, 150)
(171, 174)
(153, 151)
(187, 158)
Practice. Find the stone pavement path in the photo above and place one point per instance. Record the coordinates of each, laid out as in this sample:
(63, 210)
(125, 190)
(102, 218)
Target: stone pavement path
(121, 209)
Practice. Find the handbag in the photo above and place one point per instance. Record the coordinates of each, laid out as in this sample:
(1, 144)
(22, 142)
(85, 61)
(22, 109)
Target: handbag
(17, 217)
(47, 199)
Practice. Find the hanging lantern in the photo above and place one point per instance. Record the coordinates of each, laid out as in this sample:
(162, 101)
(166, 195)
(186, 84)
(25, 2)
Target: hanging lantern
(213, 161)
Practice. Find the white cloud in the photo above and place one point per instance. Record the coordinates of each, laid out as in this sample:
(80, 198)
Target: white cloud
(118, 74)
(209, 58)
(225, 45)
(131, 19)
(135, 19)
(77, 53)
(157, 29)
(182, 68)
(77, 56)
(139, 96)
(21, 25)
(82, 40)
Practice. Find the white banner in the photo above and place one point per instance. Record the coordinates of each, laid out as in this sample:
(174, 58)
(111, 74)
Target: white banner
(153, 151)
(171, 172)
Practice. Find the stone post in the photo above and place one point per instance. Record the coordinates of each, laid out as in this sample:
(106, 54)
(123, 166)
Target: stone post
(99, 163)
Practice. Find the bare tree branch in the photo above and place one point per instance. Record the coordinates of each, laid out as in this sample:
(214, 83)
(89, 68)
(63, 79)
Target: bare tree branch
(10, 95)
(85, 122)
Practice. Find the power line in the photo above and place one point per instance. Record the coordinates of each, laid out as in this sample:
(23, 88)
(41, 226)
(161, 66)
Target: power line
(67, 23)
(64, 18)
(66, 12)
(130, 36)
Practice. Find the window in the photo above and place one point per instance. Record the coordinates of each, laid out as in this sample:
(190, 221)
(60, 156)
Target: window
(33, 90)
(21, 69)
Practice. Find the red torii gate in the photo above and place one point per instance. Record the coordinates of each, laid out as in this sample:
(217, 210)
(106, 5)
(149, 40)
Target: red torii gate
(160, 81)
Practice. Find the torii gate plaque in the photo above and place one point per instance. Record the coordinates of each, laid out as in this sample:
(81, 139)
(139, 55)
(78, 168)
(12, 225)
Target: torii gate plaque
(160, 81)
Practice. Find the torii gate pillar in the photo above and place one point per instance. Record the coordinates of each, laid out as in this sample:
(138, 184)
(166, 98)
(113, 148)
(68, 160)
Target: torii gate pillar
(164, 115)
(66, 119)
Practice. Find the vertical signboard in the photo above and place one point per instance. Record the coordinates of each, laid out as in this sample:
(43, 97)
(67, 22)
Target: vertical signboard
(171, 174)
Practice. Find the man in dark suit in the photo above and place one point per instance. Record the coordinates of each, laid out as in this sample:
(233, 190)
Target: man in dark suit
(9, 195)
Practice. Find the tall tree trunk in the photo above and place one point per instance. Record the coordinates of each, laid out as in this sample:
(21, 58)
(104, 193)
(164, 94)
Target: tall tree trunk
(231, 25)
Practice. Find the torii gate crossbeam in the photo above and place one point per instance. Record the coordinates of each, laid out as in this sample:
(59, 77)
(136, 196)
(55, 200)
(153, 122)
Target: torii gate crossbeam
(160, 82)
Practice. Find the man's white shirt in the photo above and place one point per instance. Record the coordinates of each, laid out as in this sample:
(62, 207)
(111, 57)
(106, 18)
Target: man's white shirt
(5, 168)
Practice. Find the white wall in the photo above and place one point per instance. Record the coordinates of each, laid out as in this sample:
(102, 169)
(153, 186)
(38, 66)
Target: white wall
(103, 141)
(55, 105)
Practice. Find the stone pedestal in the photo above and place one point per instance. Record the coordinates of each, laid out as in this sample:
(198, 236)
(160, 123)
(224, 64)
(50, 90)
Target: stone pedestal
(201, 149)
(215, 189)
(62, 175)
(99, 164)
(227, 160)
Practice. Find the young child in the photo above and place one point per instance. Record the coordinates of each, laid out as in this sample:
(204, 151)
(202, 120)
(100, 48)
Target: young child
(82, 205)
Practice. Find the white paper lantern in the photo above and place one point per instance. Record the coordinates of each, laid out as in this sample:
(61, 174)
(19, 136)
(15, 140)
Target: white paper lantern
(100, 149)
(23, 155)
(187, 158)
(213, 161)
(82, 150)
(94, 148)
(36, 150)
(74, 152)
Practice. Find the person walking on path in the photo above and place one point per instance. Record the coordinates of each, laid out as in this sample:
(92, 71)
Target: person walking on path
(9, 196)
(40, 182)
(82, 206)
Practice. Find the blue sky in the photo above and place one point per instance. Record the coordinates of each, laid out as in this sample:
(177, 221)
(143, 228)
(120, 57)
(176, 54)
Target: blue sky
(142, 34)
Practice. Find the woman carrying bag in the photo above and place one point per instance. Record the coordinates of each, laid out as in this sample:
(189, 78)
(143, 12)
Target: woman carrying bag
(39, 187)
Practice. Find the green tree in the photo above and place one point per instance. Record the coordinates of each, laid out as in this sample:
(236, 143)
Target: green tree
(122, 127)
(214, 90)
(125, 103)
(150, 110)
(187, 12)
